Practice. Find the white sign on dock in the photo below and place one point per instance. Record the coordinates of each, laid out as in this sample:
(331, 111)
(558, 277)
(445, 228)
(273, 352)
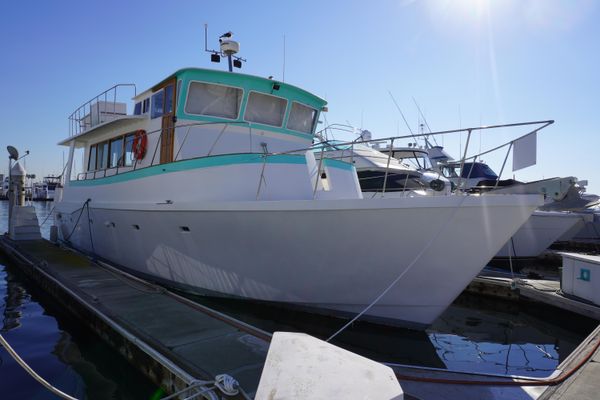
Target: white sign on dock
(581, 276)
(299, 366)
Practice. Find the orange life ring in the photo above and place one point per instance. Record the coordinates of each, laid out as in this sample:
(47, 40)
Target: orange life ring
(140, 143)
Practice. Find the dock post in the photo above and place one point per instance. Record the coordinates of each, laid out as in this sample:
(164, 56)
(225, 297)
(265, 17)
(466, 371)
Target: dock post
(22, 220)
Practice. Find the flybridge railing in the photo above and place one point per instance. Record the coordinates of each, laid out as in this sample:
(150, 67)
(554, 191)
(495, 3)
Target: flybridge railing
(106, 106)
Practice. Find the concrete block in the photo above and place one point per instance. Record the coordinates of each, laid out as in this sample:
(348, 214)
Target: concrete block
(300, 366)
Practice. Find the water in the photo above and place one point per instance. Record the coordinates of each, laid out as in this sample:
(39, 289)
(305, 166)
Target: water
(474, 334)
(55, 345)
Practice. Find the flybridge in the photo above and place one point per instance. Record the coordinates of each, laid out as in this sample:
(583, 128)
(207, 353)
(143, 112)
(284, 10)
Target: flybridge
(104, 107)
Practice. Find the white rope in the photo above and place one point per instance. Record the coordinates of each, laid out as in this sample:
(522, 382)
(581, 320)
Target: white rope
(412, 264)
(31, 372)
(227, 384)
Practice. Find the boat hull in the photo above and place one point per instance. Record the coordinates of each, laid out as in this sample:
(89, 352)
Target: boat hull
(541, 230)
(334, 256)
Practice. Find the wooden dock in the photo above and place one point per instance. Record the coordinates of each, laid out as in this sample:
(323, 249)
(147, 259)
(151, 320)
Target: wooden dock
(172, 340)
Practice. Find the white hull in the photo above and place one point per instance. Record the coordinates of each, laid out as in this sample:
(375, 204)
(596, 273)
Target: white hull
(541, 230)
(336, 256)
(590, 232)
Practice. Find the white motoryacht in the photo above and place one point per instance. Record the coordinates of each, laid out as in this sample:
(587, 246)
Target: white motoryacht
(45, 190)
(212, 186)
(380, 175)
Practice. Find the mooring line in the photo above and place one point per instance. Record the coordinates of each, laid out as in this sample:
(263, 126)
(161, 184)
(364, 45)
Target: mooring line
(31, 372)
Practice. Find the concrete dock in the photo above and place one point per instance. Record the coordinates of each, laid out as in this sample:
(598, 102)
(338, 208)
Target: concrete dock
(173, 341)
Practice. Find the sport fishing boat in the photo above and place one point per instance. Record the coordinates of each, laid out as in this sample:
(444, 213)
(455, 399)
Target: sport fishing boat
(546, 225)
(212, 186)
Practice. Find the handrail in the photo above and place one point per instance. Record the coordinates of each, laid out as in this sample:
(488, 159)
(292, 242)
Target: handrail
(79, 115)
(322, 147)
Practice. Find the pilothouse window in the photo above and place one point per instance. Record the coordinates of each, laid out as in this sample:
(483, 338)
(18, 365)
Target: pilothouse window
(168, 99)
(302, 118)
(213, 100)
(265, 109)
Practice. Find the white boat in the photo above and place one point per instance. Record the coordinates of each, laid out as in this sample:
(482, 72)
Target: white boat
(45, 190)
(3, 187)
(212, 186)
(380, 175)
(541, 230)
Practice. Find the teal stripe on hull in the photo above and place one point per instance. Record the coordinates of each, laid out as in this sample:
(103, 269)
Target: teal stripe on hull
(204, 162)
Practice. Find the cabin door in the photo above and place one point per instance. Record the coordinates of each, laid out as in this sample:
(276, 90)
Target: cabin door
(167, 137)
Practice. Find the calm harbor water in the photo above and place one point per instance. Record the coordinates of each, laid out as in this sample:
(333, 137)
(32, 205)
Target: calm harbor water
(474, 334)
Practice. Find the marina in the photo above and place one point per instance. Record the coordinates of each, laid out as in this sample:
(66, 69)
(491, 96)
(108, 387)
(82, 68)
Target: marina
(445, 345)
(220, 226)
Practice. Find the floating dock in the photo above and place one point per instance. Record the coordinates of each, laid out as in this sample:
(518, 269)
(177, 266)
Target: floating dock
(183, 346)
(172, 340)
(533, 290)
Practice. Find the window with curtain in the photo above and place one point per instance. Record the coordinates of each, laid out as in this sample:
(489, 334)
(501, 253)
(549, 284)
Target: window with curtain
(213, 100)
(302, 118)
(265, 109)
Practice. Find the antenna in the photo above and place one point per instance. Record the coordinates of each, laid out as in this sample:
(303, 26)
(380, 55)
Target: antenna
(402, 114)
(227, 48)
(426, 123)
(283, 79)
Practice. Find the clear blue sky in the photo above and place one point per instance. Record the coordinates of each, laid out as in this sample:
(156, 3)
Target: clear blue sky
(467, 62)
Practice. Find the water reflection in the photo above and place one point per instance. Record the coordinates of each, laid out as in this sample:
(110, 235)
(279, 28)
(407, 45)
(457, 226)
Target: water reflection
(58, 348)
(473, 334)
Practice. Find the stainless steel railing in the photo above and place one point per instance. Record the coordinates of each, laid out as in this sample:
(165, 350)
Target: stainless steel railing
(325, 148)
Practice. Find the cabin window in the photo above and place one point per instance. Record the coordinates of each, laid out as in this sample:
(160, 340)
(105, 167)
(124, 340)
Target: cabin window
(92, 158)
(158, 100)
(116, 153)
(168, 99)
(213, 100)
(265, 109)
(146, 106)
(102, 155)
(128, 156)
(302, 118)
(137, 110)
